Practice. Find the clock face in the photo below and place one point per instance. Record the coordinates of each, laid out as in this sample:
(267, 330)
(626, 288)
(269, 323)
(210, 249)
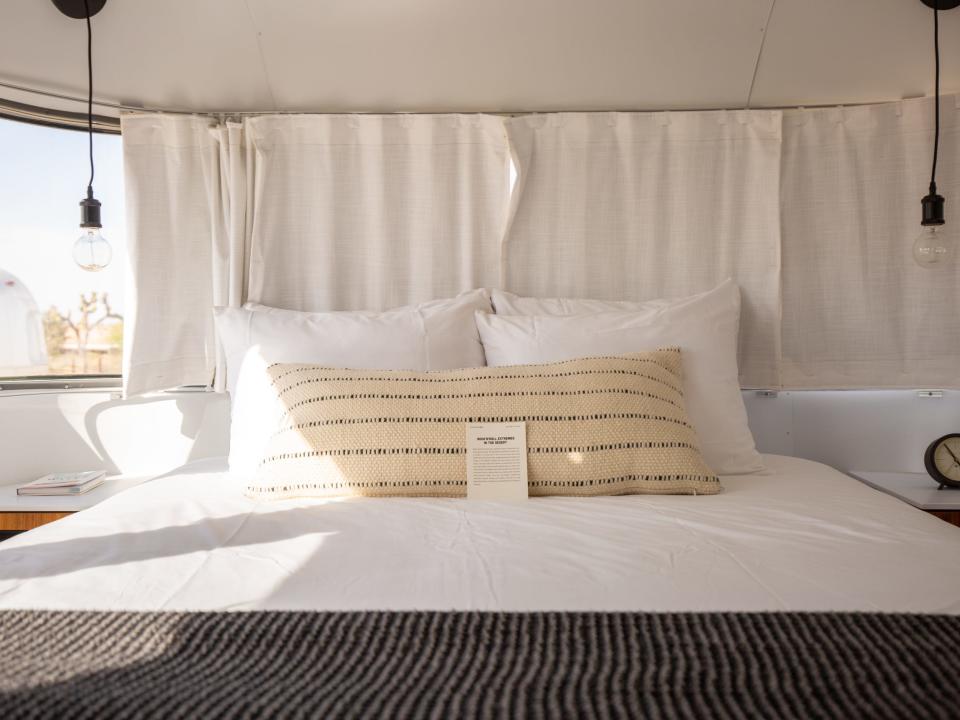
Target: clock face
(946, 458)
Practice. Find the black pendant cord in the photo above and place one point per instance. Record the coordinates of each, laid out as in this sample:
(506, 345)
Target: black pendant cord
(86, 6)
(90, 206)
(932, 204)
(936, 133)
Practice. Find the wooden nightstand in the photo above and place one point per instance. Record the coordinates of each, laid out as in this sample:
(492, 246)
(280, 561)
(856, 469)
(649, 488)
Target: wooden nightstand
(917, 489)
(19, 513)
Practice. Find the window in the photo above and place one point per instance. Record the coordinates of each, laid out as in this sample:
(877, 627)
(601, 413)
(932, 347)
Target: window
(55, 318)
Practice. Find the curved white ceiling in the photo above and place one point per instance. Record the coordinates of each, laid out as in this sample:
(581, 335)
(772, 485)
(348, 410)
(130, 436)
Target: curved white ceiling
(471, 55)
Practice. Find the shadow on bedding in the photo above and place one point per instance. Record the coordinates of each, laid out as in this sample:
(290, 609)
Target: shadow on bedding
(64, 556)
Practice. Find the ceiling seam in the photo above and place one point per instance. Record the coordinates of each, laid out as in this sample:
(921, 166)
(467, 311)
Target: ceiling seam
(763, 41)
(214, 112)
(263, 60)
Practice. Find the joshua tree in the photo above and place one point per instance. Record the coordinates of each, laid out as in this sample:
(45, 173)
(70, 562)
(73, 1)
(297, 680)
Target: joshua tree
(85, 324)
(53, 331)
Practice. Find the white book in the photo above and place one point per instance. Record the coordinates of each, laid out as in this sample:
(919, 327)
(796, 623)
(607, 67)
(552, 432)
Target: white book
(63, 483)
(73, 490)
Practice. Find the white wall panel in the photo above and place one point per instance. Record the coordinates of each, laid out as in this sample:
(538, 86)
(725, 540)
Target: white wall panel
(876, 430)
(456, 55)
(770, 415)
(831, 52)
(505, 55)
(79, 430)
(190, 54)
(885, 430)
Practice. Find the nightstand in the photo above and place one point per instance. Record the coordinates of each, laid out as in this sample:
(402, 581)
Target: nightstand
(19, 512)
(917, 489)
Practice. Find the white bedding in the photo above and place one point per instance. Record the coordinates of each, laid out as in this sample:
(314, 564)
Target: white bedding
(801, 537)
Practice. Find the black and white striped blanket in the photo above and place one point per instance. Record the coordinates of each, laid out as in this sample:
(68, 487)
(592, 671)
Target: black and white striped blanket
(470, 664)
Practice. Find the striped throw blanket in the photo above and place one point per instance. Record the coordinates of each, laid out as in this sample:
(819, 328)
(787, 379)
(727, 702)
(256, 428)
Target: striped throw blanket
(477, 665)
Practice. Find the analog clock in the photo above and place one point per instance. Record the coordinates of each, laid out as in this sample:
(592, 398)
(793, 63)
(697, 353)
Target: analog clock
(942, 460)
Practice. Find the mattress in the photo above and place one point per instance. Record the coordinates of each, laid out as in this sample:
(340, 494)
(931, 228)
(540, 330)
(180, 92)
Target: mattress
(800, 537)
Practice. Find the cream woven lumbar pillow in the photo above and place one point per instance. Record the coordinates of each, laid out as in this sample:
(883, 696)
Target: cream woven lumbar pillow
(595, 426)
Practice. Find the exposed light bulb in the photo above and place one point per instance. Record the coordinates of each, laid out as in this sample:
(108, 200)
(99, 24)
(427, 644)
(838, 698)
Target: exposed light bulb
(91, 251)
(933, 247)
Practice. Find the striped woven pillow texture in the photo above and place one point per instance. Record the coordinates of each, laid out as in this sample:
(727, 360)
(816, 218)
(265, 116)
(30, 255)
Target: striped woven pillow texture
(595, 426)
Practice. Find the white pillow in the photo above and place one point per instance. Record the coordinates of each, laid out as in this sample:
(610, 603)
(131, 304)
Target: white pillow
(506, 303)
(438, 335)
(704, 326)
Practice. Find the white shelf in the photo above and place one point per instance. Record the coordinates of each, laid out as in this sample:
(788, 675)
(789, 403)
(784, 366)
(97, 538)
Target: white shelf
(11, 502)
(918, 489)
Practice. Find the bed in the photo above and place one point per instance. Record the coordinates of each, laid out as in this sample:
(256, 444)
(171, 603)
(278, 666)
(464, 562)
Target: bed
(606, 606)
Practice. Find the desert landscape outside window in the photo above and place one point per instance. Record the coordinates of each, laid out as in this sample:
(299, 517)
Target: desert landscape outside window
(57, 319)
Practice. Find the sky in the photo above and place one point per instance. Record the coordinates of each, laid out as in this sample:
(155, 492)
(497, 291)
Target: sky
(43, 176)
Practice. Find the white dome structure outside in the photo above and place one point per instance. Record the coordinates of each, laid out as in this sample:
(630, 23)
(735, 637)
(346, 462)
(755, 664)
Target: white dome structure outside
(22, 344)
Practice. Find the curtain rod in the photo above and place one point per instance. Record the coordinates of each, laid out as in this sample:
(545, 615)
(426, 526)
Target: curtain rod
(243, 113)
(63, 119)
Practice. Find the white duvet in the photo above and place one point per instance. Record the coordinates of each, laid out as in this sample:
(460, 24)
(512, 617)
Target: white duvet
(802, 537)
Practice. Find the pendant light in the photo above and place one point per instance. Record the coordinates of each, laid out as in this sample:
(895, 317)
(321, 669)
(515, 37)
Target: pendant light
(934, 247)
(91, 251)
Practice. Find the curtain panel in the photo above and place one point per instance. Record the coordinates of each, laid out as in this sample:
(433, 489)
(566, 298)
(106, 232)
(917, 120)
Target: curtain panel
(371, 212)
(857, 311)
(175, 235)
(636, 206)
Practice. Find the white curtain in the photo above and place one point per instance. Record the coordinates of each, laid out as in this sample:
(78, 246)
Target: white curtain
(302, 212)
(371, 212)
(644, 205)
(812, 212)
(857, 311)
(176, 245)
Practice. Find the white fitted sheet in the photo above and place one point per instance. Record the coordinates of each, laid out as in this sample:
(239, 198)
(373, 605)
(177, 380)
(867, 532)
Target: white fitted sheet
(801, 537)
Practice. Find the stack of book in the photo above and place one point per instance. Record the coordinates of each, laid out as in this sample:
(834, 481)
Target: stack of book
(63, 483)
